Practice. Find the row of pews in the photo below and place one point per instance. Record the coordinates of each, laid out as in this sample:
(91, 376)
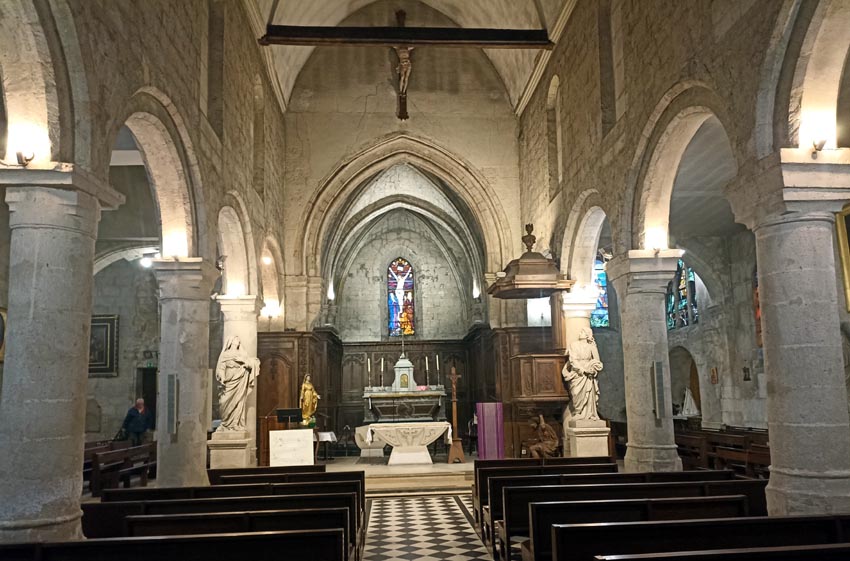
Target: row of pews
(109, 464)
(744, 450)
(584, 509)
(269, 513)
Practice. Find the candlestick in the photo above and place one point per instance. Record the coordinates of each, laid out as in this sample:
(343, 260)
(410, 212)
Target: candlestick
(369, 365)
(426, 364)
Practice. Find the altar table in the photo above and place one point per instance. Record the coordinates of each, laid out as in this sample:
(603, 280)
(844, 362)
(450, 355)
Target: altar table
(409, 440)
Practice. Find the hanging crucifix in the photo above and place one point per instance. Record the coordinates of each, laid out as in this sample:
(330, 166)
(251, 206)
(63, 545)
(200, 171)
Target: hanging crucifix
(405, 66)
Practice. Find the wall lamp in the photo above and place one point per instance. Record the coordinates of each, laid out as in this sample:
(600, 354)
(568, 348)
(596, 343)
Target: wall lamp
(25, 159)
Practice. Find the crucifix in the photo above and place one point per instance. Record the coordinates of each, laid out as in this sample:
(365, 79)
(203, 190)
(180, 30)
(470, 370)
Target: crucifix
(405, 66)
(456, 451)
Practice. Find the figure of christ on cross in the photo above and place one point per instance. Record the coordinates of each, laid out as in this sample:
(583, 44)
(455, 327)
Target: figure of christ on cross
(404, 68)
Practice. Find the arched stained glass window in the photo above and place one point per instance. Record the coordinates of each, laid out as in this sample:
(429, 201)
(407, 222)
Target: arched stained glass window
(401, 316)
(682, 309)
(599, 316)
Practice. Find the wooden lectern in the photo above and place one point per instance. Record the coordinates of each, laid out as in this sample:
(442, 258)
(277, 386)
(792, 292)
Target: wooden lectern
(456, 451)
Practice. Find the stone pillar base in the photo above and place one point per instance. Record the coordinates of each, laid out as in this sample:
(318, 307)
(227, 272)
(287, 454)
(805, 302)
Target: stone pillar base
(652, 458)
(586, 439)
(230, 449)
(790, 492)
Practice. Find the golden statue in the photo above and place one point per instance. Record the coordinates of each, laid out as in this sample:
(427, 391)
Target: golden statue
(308, 401)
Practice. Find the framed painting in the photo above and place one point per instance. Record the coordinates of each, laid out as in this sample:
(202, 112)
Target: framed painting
(2, 334)
(103, 346)
(842, 226)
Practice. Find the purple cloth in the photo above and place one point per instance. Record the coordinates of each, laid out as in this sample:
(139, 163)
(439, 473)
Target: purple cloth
(491, 441)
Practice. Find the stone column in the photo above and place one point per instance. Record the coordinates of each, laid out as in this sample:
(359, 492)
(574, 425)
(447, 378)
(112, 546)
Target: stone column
(184, 378)
(43, 405)
(640, 278)
(807, 396)
(240, 319)
(576, 308)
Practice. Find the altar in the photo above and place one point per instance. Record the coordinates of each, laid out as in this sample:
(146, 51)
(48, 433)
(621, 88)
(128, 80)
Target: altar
(409, 440)
(404, 400)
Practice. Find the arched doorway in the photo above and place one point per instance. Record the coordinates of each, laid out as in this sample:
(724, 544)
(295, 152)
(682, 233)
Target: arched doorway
(683, 375)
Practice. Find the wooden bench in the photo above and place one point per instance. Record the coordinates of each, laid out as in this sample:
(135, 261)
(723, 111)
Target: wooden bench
(524, 490)
(693, 450)
(481, 498)
(215, 474)
(115, 466)
(477, 482)
(582, 542)
(317, 478)
(245, 521)
(823, 552)
(543, 515)
(753, 462)
(315, 545)
(106, 520)
(512, 518)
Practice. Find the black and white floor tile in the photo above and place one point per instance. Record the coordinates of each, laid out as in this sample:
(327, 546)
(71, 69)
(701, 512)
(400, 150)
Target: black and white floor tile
(423, 528)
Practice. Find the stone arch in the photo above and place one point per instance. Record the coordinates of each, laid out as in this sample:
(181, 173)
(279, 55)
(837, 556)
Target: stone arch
(571, 227)
(684, 373)
(554, 137)
(237, 202)
(236, 277)
(468, 184)
(172, 168)
(585, 246)
(818, 74)
(35, 105)
(271, 273)
(667, 135)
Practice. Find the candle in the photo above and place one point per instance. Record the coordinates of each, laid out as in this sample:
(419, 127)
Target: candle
(382, 365)
(426, 364)
(369, 365)
(438, 363)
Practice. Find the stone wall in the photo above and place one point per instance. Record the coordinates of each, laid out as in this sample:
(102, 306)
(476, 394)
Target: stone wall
(441, 309)
(129, 291)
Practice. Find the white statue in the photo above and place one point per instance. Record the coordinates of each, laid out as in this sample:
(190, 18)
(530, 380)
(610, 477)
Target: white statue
(236, 372)
(689, 406)
(580, 372)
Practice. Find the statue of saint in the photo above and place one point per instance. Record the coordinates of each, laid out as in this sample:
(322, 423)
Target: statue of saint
(547, 440)
(580, 372)
(236, 372)
(308, 401)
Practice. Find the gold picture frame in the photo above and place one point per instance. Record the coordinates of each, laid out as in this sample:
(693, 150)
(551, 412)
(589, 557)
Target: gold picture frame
(842, 229)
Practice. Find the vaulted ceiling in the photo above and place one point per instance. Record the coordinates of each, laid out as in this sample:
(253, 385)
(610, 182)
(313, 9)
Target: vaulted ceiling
(515, 67)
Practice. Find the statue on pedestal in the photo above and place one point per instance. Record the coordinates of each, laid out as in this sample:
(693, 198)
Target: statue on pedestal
(308, 401)
(580, 372)
(236, 372)
(547, 440)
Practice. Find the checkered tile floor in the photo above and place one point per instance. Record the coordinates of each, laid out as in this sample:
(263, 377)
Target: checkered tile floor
(425, 528)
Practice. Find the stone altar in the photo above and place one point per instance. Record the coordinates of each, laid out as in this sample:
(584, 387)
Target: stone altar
(403, 401)
(409, 440)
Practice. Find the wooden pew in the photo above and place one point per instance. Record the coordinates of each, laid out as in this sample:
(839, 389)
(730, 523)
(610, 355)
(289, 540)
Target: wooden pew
(753, 462)
(822, 552)
(508, 516)
(315, 545)
(543, 515)
(693, 450)
(477, 483)
(105, 520)
(114, 466)
(215, 474)
(317, 478)
(582, 542)
(482, 497)
(245, 521)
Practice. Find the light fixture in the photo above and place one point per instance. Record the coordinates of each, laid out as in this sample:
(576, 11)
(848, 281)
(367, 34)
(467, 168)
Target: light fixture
(818, 144)
(331, 293)
(267, 259)
(655, 238)
(146, 262)
(24, 159)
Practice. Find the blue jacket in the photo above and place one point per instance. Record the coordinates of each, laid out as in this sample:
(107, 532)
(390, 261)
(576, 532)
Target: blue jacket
(138, 422)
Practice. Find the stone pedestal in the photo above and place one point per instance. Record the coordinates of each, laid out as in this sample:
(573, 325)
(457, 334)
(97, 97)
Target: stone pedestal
(584, 439)
(406, 455)
(641, 279)
(240, 319)
(373, 449)
(184, 374)
(43, 407)
(231, 449)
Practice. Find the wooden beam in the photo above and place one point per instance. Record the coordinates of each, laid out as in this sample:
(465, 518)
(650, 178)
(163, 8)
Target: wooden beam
(407, 36)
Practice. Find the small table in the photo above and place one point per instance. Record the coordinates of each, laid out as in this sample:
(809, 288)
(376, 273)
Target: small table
(409, 440)
(326, 437)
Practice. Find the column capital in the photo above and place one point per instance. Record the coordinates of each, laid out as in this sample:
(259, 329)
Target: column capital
(64, 176)
(801, 184)
(188, 278)
(240, 308)
(643, 270)
(579, 304)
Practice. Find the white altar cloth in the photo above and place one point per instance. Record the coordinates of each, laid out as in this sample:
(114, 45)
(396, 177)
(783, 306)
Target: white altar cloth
(409, 440)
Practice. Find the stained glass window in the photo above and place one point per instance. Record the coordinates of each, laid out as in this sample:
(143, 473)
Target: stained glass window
(681, 302)
(400, 303)
(599, 316)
